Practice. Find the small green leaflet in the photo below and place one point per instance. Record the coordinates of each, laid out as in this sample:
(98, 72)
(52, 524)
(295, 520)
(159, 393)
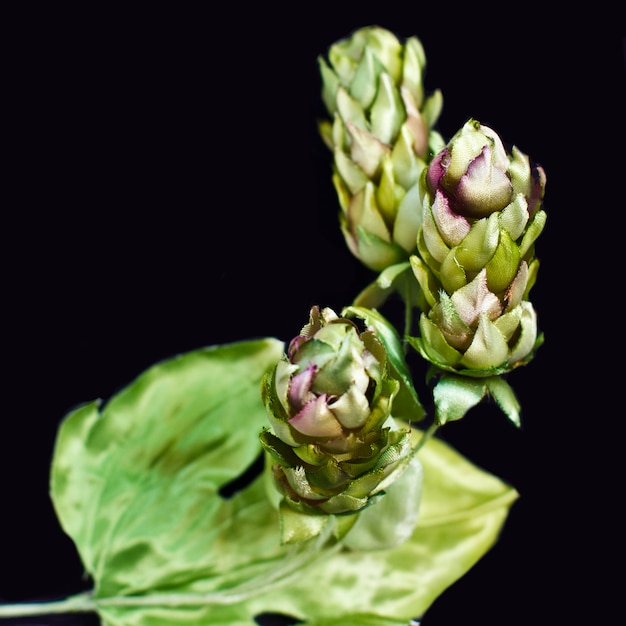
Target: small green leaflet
(455, 395)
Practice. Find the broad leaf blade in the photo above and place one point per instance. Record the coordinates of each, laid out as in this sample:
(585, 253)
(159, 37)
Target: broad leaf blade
(136, 484)
(454, 396)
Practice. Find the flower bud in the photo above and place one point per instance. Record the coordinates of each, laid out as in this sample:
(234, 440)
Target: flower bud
(381, 137)
(475, 262)
(333, 442)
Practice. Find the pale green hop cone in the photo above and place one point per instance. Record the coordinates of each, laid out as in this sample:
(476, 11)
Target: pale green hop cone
(381, 134)
(333, 443)
(482, 212)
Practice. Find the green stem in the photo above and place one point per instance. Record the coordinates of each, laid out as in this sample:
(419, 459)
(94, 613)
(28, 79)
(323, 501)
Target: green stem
(79, 603)
(428, 433)
(229, 596)
(289, 567)
(408, 317)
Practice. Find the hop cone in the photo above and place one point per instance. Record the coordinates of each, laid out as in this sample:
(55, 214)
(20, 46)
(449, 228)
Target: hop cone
(334, 445)
(475, 263)
(381, 136)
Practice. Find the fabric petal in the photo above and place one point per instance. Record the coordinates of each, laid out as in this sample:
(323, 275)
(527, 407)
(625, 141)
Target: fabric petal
(316, 420)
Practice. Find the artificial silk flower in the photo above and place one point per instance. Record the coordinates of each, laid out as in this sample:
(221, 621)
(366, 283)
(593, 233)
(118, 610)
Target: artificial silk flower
(482, 212)
(333, 443)
(380, 130)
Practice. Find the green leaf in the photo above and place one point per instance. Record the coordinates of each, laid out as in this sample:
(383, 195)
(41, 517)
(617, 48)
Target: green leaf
(406, 404)
(455, 395)
(505, 397)
(136, 483)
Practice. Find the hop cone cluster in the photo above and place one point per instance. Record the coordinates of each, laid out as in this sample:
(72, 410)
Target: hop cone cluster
(381, 134)
(482, 212)
(334, 444)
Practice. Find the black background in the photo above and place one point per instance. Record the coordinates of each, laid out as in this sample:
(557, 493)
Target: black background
(167, 189)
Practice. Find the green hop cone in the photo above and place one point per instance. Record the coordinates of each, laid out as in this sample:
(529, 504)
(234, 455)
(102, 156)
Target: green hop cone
(482, 212)
(381, 134)
(334, 445)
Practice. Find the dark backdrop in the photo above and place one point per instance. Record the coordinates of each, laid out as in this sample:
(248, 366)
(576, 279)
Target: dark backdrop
(167, 190)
